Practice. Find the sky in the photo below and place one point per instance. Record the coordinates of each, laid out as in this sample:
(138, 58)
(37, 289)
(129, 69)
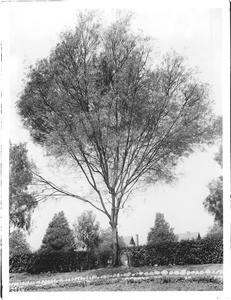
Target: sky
(195, 33)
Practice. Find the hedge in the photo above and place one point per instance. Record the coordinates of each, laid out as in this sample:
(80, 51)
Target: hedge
(205, 251)
(55, 261)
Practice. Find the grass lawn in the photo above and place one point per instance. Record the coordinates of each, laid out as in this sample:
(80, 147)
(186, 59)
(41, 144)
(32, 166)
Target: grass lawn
(143, 286)
(119, 285)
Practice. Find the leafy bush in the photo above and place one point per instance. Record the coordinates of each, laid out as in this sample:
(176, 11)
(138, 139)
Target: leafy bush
(55, 261)
(188, 252)
(19, 262)
(212, 249)
(138, 256)
(185, 252)
(161, 253)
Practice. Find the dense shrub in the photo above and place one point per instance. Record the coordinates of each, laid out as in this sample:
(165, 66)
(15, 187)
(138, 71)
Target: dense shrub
(19, 262)
(161, 253)
(188, 252)
(138, 256)
(204, 251)
(212, 249)
(185, 252)
(103, 257)
(55, 261)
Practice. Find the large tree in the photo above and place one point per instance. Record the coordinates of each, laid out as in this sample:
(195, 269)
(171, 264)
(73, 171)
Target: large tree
(161, 231)
(21, 199)
(58, 236)
(86, 230)
(98, 103)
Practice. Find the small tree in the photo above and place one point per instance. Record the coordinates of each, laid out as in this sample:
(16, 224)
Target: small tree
(58, 235)
(86, 230)
(161, 232)
(18, 243)
(21, 200)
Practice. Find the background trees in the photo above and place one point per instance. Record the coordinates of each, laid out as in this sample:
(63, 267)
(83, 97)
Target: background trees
(98, 104)
(213, 203)
(86, 231)
(161, 231)
(58, 235)
(21, 200)
(18, 243)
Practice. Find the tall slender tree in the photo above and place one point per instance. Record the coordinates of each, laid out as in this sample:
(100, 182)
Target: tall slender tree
(86, 230)
(97, 103)
(22, 201)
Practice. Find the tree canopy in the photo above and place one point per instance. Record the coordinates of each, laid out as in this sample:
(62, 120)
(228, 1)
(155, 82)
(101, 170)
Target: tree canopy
(98, 104)
(161, 232)
(21, 200)
(86, 230)
(58, 236)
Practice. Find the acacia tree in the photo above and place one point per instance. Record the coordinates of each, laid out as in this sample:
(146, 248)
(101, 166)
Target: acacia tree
(21, 201)
(161, 231)
(97, 103)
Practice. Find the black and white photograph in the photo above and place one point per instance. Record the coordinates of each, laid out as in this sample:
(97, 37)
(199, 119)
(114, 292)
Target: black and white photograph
(114, 139)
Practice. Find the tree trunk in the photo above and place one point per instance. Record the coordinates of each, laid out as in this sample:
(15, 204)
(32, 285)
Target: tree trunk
(115, 248)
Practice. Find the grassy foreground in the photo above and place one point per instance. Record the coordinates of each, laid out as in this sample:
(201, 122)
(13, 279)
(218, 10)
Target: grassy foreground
(168, 283)
(143, 286)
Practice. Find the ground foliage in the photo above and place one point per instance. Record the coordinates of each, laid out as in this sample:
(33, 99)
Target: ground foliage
(131, 284)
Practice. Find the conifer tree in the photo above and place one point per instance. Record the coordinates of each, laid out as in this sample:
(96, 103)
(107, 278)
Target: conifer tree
(58, 235)
(161, 232)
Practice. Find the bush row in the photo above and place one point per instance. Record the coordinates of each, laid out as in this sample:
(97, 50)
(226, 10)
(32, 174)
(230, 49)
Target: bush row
(55, 261)
(205, 251)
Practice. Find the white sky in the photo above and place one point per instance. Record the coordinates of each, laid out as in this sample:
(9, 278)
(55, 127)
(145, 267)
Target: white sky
(196, 33)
